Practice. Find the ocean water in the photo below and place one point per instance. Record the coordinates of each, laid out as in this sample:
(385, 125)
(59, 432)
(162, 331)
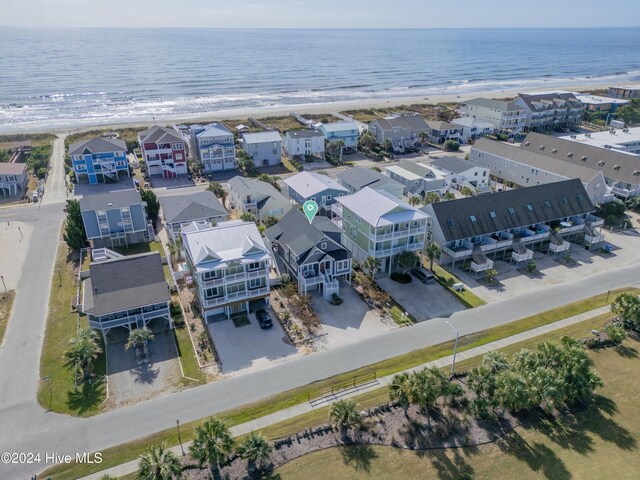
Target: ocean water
(71, 77)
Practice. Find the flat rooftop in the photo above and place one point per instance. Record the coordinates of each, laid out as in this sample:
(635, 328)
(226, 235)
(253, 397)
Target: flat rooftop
(618, 139)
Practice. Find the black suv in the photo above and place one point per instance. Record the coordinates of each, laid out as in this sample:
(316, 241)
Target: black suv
(425, 276)
(264, 319)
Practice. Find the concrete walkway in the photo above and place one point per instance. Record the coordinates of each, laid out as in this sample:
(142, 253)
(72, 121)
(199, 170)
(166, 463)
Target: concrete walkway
(56, 188)
(303, 408)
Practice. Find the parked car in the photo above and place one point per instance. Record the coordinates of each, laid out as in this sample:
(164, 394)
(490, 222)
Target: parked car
(264, 319)
(425, 276)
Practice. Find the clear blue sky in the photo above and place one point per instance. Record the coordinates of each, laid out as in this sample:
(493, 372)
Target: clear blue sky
(320, 13)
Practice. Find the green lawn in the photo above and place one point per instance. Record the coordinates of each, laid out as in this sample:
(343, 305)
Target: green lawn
(187, 356)
(601, 442)
(61, 327)
(447, 280)
(6, 305)
(130, 451)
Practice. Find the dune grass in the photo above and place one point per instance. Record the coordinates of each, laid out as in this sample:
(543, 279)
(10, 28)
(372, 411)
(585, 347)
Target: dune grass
(6, 306)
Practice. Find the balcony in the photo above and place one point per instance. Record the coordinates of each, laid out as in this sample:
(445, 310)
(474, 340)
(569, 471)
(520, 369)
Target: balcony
(236, 277)
(413, 247)
(594, 221)
(128, 319)
(593, 238)
(463, 251)
(486, 264)
(381, 237)
(521, 254)
(621, 192)
(575, 224)
(495, 242)
(235, 296)
(527, 235)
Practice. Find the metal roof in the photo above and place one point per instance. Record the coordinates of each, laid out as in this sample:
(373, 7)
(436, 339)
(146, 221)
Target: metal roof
(308, 184)
(261, 137)
(379, 208)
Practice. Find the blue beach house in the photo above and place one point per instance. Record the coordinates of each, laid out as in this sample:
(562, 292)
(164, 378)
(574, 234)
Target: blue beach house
(317, 187)
(99, 160)
(345, 131)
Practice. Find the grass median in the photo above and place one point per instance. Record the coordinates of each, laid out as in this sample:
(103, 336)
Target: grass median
(132, 450)
(58, 393)
(447, 280)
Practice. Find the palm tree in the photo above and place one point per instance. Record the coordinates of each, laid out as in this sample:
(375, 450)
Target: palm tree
(340, 145)
(367, 139)
(431, 197)
(218, 191)
(387, 145)
(406, 260)
(426, 386)
(138, 338)
(371, 265)
(414, 200)
(432, 251)
(491, 274)
(512, 392)
(423, 137)
(634, 203)
(212, 443)
(255, 448)
(345, 415)
(449, 196)
(495, 361)
(83, 352)
(159, 464)
(399, 391)
(467, 192)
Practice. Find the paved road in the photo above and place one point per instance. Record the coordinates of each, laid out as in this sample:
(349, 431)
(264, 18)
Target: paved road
(50, 432)
(56, 188)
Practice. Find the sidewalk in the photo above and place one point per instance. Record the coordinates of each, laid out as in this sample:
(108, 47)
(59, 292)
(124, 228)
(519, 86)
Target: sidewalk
(271, 419)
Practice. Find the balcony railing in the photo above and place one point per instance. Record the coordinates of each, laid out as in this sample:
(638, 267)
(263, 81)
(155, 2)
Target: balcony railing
(481, 267)
(396, 250)
(235, 296)
(397, 234)
(127, 319)
(235, 277)
(594, 239)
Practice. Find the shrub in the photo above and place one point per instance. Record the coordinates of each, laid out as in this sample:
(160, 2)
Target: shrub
(451, 146)
(531, 266)
(335, 299)
(401, 277)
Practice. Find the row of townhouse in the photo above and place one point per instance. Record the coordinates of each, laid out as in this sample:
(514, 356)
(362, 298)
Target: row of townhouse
(537, 111)
(621, 170)
(524, 168)
(509, 223)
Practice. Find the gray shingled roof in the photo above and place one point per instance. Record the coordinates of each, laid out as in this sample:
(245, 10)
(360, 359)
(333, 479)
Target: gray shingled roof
(307, 133)
(295, 231)
(453, 164)
(413, 122)
(565, 199)
(98, 145)
(535, 160)
(360, 177)
(621, 167)
(441, 125)
(125, 283)
(12, 168)
(104, 201)
(159, 134)
(550, 100)
(187, 208)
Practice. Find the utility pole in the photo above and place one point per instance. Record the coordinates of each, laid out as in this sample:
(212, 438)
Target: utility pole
(5, 287)
(455, 347)
(180, 439)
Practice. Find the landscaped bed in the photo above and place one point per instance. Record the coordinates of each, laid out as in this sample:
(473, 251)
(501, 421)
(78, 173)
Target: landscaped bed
(295, 313)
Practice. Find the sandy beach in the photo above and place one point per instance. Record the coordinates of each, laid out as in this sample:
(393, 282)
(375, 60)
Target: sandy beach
(310, 108)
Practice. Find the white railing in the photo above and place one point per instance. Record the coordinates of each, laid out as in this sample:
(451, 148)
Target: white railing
(457, 254)
(481, 267)
(563, 247)
(397, 234)
(126, 320)
(234, 296)
(594, 221)
(535, 237)
(496, 245)
(235, 277)
(521, 257)
(573, 228)
(396, 250)
(623, 192)
(592, 240)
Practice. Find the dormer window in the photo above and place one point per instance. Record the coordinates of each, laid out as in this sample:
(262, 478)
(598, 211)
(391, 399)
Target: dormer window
(601, 164)
(512, 211)
(473, 218)
(617, 167)
(526, 144)
(450, 222)
(529, 207)
(323, 246)
(555, 150)
(570, 155)
(492, 214)
(583, 159)
(542, 147)
(547, 203)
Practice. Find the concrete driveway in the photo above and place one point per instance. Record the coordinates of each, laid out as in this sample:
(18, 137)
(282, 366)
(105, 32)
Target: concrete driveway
(350, 322)
(421, 300)
(132, 383)
(249, 348)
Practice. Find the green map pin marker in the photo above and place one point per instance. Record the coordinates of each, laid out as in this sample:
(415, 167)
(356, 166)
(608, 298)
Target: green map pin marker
(310, 209)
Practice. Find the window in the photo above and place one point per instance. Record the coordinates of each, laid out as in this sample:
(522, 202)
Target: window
(601, 164)
(564, 200)
(583, 159)
(212, 292)
(328, 198)
(255, 283)
(323, 245)
(342, 265)
(542, 147)
(358, 219)
(473, 218)
(570, 155)
(555, 150)
(580, 197)
(529, 207)
(512, 211)
(450, 222)
(253, 266)
(616, 167)
(492, 214)
(547, 204)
